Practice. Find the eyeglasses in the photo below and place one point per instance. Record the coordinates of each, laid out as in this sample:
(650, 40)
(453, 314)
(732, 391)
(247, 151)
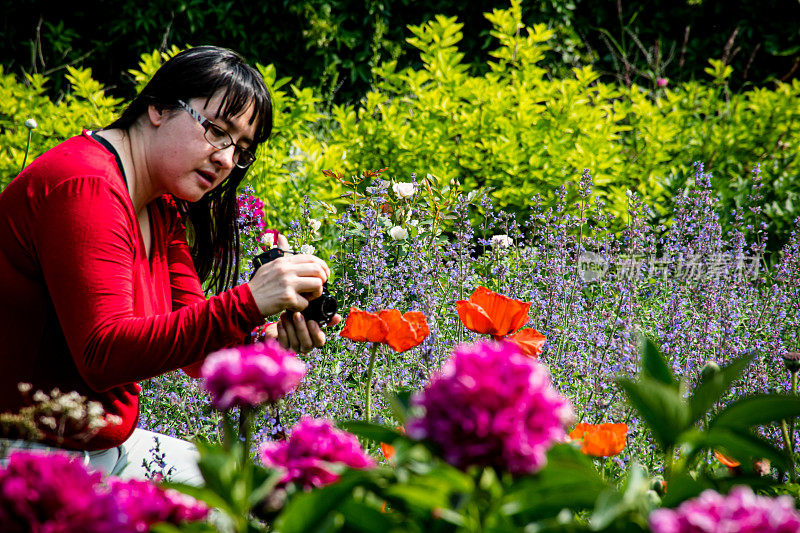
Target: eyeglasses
(220, 139)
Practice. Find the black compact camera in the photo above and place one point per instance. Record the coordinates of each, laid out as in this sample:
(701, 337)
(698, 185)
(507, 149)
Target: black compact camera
(320, 310)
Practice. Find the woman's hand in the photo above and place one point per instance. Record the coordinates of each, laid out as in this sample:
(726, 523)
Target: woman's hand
(288, 283)
(294, 333)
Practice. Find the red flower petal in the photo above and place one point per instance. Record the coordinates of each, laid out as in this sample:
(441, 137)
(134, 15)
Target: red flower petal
(579, 430)
(529, 340)
(362, 326)
(419, 323)
(474, 317)
(725, 460)
(402, 334)
(388, 450)
(506, 314)
(605, 440)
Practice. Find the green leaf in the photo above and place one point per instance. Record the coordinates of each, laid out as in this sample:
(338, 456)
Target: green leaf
(654, 365)
(308, 510)
(680, 487)
(745, 446)
(758, 410)
(359, 516)
(709, 391)
(372, 432)
(661, 406)
(568, 481)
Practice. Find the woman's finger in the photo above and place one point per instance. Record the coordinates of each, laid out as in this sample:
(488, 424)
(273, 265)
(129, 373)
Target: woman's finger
(283, 339)
(316, 333)
(302, 333)
(291, 335)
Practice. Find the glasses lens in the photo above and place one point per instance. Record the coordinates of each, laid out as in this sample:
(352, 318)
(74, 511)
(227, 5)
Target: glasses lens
(217, 137)
(243, 158)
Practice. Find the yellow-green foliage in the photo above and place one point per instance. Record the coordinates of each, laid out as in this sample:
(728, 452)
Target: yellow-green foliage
(517, 130)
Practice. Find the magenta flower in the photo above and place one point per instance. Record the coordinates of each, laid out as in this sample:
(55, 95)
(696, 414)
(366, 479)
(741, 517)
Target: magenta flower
(662, 82)
(247, 376)
(492, 406)
(740, 511)
(314, 454)
(145, 504)
(55, 493)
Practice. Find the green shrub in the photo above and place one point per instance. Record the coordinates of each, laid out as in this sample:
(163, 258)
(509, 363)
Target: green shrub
(520, 131)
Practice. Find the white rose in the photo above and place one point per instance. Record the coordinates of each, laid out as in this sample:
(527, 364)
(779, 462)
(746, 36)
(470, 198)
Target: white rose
(398, 233)
(307, 249)
(502, 241)
(403, 190)
(314, 224)
(31, 124)
(268, 240)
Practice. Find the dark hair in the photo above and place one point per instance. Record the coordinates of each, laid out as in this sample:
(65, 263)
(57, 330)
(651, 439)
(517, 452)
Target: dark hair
(211, 223)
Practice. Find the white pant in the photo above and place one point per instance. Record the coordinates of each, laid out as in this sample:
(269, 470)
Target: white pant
(127, 460)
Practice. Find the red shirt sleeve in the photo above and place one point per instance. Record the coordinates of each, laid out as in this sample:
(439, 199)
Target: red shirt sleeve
(86, 235)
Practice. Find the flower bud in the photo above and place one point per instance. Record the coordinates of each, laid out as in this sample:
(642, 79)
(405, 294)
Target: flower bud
(792, 361)
(662, 82)
(31, 124)
(398, 233)
(709, 371)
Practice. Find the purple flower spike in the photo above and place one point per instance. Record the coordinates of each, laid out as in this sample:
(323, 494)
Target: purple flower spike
(314, 453)
(492, 406)
(740, 511)
(248, 376)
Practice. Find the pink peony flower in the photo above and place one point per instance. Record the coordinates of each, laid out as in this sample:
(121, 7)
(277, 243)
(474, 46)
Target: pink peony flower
(145, 504)
(314, 453)
(662, 82)
(56, 493)
(492, 406)
(740, 511)
(251, 375)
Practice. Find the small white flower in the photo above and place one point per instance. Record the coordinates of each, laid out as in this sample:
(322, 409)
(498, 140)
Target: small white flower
(403, 190)
(398, 233)
(24, 387)
(314, 224)
(502, 241)
(344, 155)
(307, 249)
(31, 124)
(268, 240)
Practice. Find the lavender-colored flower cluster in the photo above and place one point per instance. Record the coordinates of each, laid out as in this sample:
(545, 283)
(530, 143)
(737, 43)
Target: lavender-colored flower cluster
(740, 511)
(688, 283)
(314, 454)
(250, 375)
(492, 406)
(55, 493)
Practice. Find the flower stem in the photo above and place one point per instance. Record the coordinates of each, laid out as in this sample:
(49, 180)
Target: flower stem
(27, 150)
(368, 393)
(244, 430)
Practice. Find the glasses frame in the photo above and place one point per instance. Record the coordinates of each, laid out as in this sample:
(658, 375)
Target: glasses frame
(238, 151)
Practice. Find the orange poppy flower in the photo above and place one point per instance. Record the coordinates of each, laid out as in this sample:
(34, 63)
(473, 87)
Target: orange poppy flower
(529, 340)
(727, 461)
(492, 313)
(400, 332)
(601, 440)
(388, 450)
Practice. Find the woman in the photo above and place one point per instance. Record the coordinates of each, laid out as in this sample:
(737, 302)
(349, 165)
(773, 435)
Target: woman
(99, 287)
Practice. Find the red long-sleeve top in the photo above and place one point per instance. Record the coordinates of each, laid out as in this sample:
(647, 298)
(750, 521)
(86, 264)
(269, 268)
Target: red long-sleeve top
(81, 306)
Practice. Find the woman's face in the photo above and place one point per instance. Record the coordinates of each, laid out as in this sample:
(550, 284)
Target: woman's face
(181, 161)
